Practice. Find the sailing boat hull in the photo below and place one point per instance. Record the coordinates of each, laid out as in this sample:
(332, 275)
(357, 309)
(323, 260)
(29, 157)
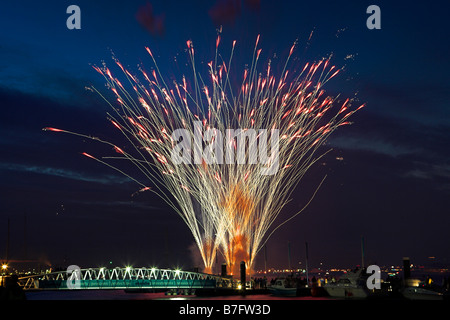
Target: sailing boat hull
(284, 292)
(346, 292)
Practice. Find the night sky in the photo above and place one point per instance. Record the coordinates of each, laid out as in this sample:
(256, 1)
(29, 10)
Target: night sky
(388, 174)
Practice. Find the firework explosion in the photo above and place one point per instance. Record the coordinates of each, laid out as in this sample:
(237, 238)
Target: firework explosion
(229, 207)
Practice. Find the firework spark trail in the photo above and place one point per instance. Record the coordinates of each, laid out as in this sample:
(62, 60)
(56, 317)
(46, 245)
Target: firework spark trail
(230, 207)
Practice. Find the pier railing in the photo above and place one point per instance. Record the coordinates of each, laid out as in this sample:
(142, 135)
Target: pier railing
(124, 278)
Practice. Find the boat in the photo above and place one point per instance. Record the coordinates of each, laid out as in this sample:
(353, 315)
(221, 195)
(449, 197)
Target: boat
(283, 287)
(421, 293)
(351, 285)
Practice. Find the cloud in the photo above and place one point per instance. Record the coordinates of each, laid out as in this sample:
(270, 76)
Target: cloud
(422, 103)
(435, 175)
(64, 173)
(151, 22)
(42, 75)
(430, 171)
(118, 203)
(376, 145)
(228, 11)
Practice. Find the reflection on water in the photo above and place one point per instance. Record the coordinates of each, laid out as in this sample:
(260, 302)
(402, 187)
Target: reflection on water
(122, 295)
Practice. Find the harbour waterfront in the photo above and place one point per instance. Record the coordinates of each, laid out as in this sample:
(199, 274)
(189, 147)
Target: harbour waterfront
(414, 282)
(123, 295)
(107, 302)
(351, 285)
(216, 304)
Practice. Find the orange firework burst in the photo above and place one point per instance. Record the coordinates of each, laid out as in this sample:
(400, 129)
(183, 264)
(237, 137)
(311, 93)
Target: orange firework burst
(238, 208)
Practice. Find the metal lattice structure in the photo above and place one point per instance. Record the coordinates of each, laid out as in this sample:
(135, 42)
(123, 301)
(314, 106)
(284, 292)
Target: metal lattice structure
(124, 278)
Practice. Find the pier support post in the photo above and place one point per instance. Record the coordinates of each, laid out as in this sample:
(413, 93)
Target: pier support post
(243, 275)
(224, 269)
(406, 268)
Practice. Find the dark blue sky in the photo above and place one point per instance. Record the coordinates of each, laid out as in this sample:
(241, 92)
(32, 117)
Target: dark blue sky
(392, 186)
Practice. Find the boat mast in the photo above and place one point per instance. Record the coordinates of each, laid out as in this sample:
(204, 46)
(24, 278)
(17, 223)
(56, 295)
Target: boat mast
(265, 258)
(307, 278)
(362, 252)
(289, 255)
